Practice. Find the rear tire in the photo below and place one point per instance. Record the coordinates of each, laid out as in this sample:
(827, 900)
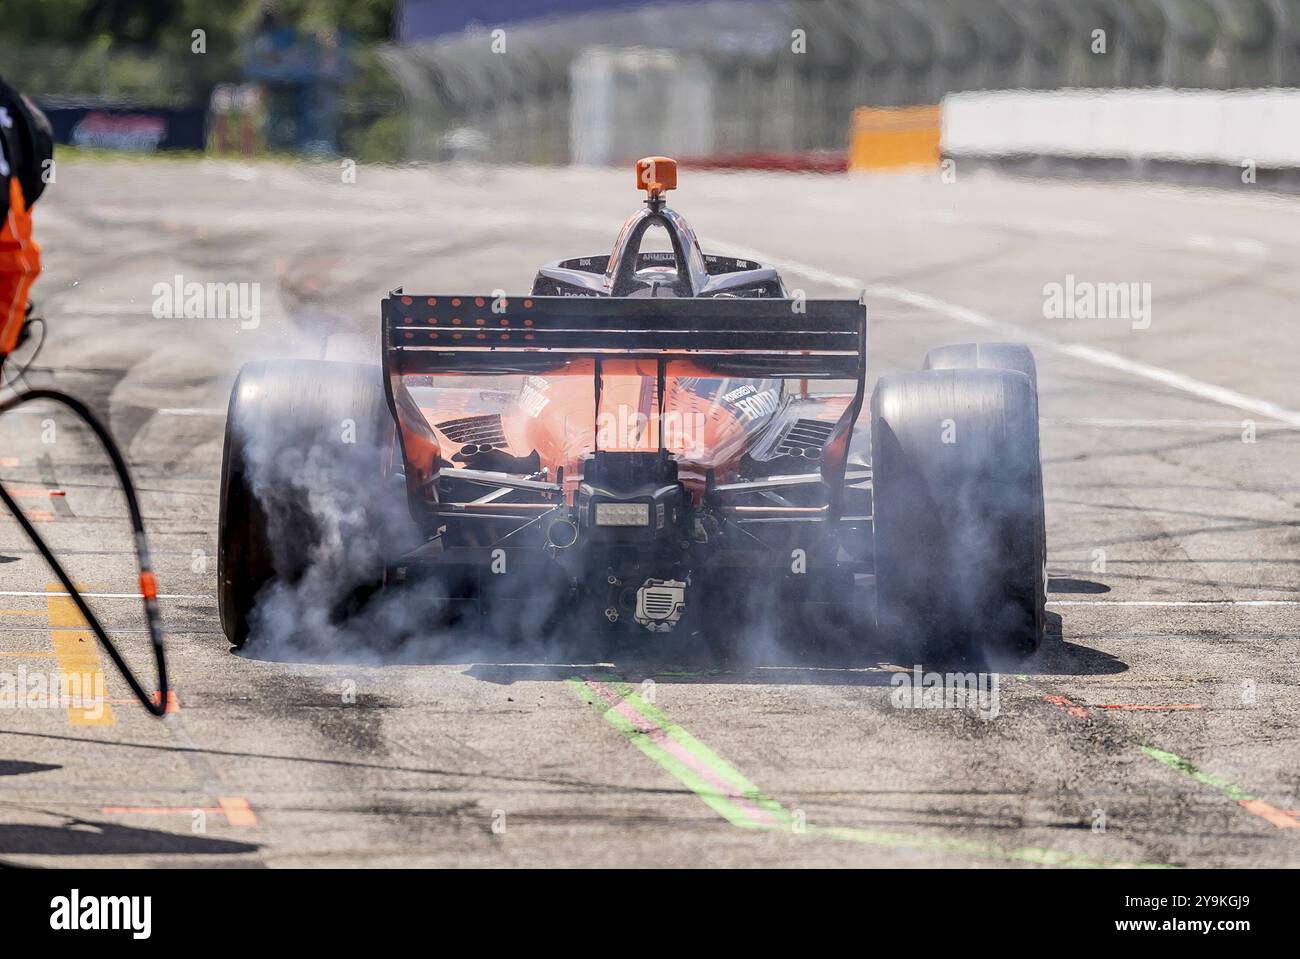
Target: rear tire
(306, 446)
(989, 356)
(958, 517)
(984, 356)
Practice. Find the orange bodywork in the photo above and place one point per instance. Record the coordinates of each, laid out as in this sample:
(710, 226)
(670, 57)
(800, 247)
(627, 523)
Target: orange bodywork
(694, 428)
(20, 264)
(555, 415)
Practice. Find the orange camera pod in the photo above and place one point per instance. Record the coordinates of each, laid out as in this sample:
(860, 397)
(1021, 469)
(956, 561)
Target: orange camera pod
(656, 175)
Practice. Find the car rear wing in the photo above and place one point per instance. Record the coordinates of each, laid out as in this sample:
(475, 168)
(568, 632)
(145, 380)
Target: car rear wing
(732, 337)
(760, 338)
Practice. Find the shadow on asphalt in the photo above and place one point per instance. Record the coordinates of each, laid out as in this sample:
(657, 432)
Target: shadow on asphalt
(19, 767)
(1065, 584)
(83, 837)
(853, 655)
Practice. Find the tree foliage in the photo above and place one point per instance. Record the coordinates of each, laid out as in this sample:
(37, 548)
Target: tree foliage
(168, 24)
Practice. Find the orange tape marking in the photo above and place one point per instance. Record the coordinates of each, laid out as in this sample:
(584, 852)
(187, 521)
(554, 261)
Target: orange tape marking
(1278, 817)
(173, 703)
(1071, 707)
(235, 809)
(238, 812)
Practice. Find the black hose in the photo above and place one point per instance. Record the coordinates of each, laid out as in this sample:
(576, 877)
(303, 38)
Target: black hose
(27, 364)
(148, 583)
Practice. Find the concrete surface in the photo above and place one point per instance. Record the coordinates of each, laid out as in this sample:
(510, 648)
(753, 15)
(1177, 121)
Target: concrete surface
(1173, 547)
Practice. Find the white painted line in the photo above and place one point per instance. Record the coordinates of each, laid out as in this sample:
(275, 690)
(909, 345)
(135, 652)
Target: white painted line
(1173, 602)
(1079, 351)
(1178, 381)
(1085, 229)
(1240, 245)
(75, 309)
(1156, 424)
(232, 169)
(164, 411)
(42, 594)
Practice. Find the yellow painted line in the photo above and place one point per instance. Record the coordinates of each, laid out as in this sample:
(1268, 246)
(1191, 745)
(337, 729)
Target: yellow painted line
(77, 653)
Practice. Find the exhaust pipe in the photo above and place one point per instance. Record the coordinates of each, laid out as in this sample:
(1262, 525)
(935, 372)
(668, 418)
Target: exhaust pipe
(562, 533)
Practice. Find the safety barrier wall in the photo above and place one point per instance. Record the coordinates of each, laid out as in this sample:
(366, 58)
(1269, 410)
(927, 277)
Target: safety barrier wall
(1197, 126)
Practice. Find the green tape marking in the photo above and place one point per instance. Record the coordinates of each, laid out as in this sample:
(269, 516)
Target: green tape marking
(1231, 790)
(693, 770)
(744, 805)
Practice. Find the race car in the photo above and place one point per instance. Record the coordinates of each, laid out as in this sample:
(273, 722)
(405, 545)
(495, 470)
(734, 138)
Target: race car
(648, 442)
